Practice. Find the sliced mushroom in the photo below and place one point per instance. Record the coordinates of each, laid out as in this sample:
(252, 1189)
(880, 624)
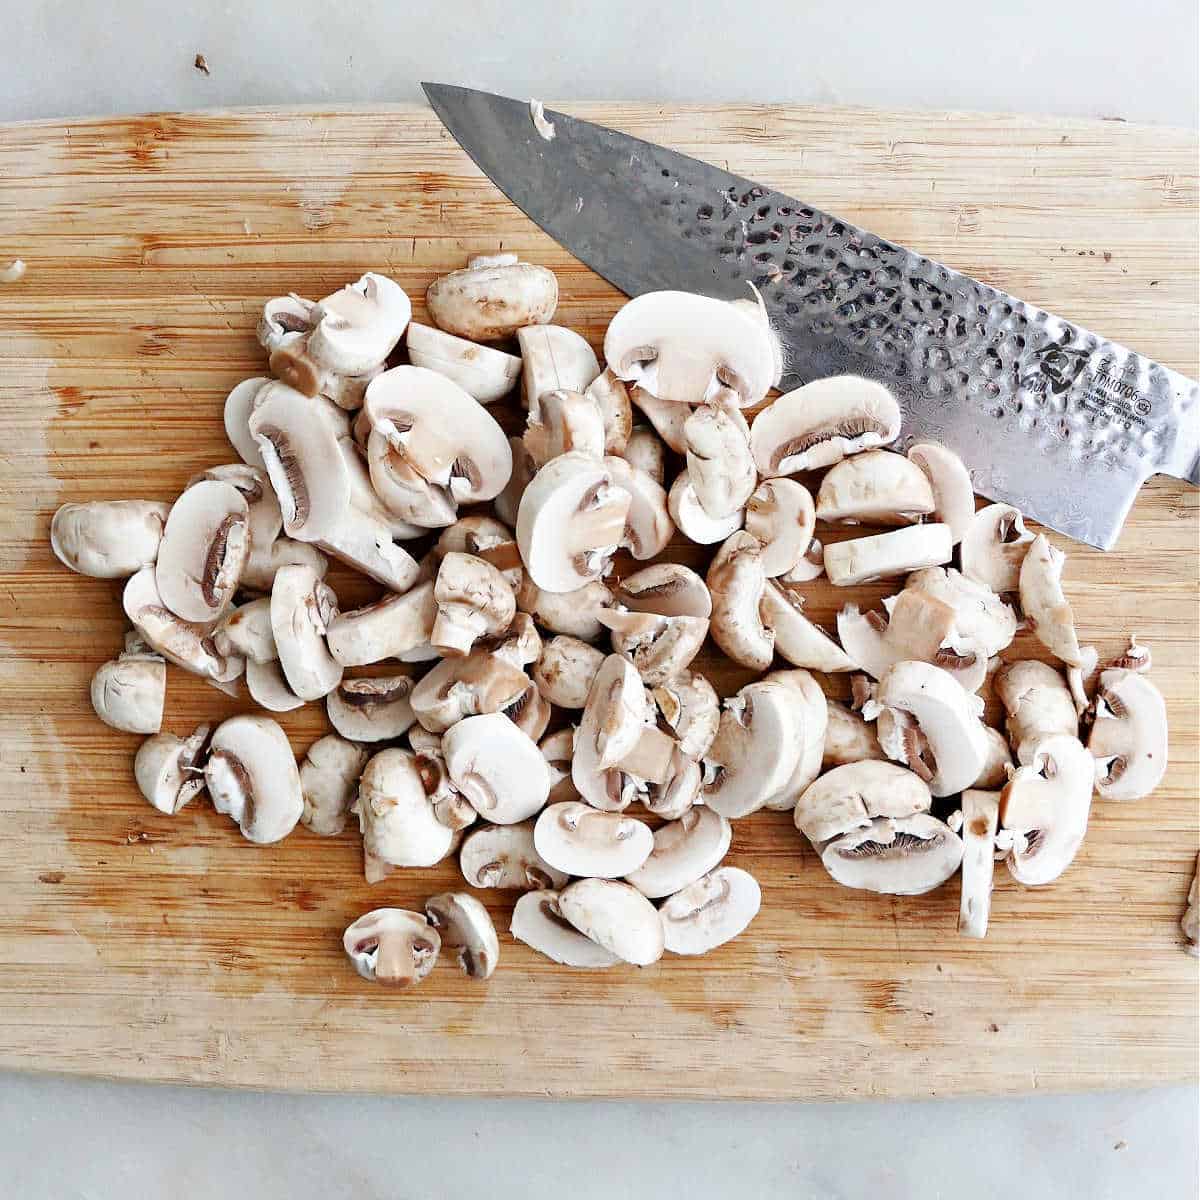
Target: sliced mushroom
(538, 922)
(852, 796)
(611, 396)
(565, 671)
(396, 817)
(821, 423)
(644, 451)
(720, 466)
(758, 310)
(238, 406)
(530, 713)
(486, 538)
(392, 946)
(498, 768)
(659, 647)
(263, 517)
(128, 692)
(899, 856)
(679, 792)
(562, 422)
(474, 601)
(246, 631)
(809, 567)
(780, 514)
(881, 555)
(665, 416)
(284, 319)
(616, 916)
(797, 639)
(994, 547)
(950, 482)
(736, 582)
(169, 770)
(1129, 737)
(329, 783)
(464, 687)
(693, 522)
(486, 302)
(874, 488)
(710, 912)
(391, 628)
(810, 717)
(684, 850)
(998, 764)
(554, 358)
(689, 705)
(848, 738)
(580, 840)
(1190, 921)
(648, 526)
(980, 815)
(508, 503)
(251, 776)
(504, 857)
(1045, 607)
(450, 806)
(268, 687)
(371, 710)
(464, 925)
(981, 617)
(613, 721)
(302, 608)
(573, 613)
(263, 563)
(1038, 703)
(108, 539)
(356, 328)
(481, 371)
(558, 749)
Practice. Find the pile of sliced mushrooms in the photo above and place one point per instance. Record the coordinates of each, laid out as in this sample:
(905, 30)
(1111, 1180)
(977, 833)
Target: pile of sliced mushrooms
(514, 615)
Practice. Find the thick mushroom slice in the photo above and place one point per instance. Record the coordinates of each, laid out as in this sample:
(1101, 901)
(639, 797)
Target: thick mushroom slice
(994, 547)
(848, 738)
(565, 671)
(538, 922)
(491, 298)
(504, 857)
(483, 372)
(371, 710)
(269, 688)
(465, 926)
(1038, 703)
(563, 421)
(580, 840)
(736, 582)
(950, 482)
(392, 946)
(980, 814)
(1129, 736)
(329, 783)
(998, 765)
(810, 714)
(810, 566)
(473, 600)
(710, 912)
(1045, 607)
(390, 628)
(169, 770)
(356, 328)
(284, 320)
(251, 775)
(679, 793)
(128, 692)
(691, 349)
(238, 406)
(648, 525)
(571, 520)
(108, 539)
(981, 617)
(519, 643)
(616, 916)
(693, 522)
(874, 488)
(573, 613)
(780, 514)
(263, 517)
(666, 418)
(613, 722)
(900, 856)
(302, 607)
(246, 631)
(852, 796)
(396, 816)
(684, 850)
(881, 555)
(611, 397)
(689, 705)
(554, 359)
(797, 639)
(720, 466)
(465, 687)
(821, 423)
(1046, 804)
(497, 767)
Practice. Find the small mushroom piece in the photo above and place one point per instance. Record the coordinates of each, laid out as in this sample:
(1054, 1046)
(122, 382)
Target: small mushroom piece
(128, 692)
(611, 396)
(561, 422)
(679, 793)
(810, 566)
(666, 418)
(780, 514)
(998, 765)
(329, 783)
(263, 517)
(644, 451)
(530, 712)
(691, 349)
(899, 856)
(881, 555)
(508, 503)
(356, 328)
(238, 406)
(565, 671)
(473, 600)
(498, 768)
(580, 840)
(486, 302)
(108, 539)
(685, 509)
(204, 548)
(720, 466)
(371, 710)
(486, 538)
(614, 720)
(463, 687)
(520, 644)
(269, 688)
(758, 310)
(736, 581)
(810, 715)
(571, 519)
(251, 775)
(658, 647)
(797, 639)
(483, 372)
(981, 617)
(1045, 607)
(874, 488)
(1038, 703)
(558, 749)
(390, 628)
(465, 926)
(1047, 803)
(1190, 921)
(821, 423)
(994, 547)
(504, 857)
(262, 564)
(573, 613)
(1129, 736)
(950, 482)
(980, 815)
(617, 917)
(851, 796)
(283, 321)
(554, 358)
(1135, 658)
(396, 817)
(711, 911)
(392, 946)
(538, 922)
(689, 705)
(302, 607)
(848, 738)
(246, 631)
(684, 850)
(169, 770)
(648, 526)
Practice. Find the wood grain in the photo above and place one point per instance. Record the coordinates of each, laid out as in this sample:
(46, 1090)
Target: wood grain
(139, 946)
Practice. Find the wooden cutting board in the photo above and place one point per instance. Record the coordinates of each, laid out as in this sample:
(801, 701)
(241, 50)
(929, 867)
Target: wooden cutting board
(141, 946)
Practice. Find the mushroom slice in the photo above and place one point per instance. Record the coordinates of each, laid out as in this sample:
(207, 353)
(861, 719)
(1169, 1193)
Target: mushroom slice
(644, 451)
(238, 406)
(203, 551)
(474, 601)
(558, 749)
(390, 628)
(980, 615)
(246, 631)
(1045, 607)
(758, 310)
(848, 738)
(810, 714)
(128, 692)
(1190, 921)
(371, 710)
(821, 423)
(711, 911)
(689, 705)
(396, 816)
(508, 502)
(946, 717)
(498, 768)
(659, 647)
(463, 687)
(720, 466)
(580, 840)
(573, 613)
(755, 750)
(504, 857)
(392, 946)
(665, 416)
(572, 517)
(519, 644)
(284, 319)
(998, 765)
(874, 488)
(403, 490)
(483, 372)
(648, 526)
(665, 589)
(169, 770)
(864, 559)
(611, 397)
(810, 566)
(329, 783)
(950, 482)
(464, 925)
(614, 715)
(302, 607)
(1129, 737)
(899, 856)
(684, 850)
(1047, 803)
(488, 301)
(530, 713)
(537, 921)
(616, 916)
(679, 792)
(780, 514)
(563, 421)
(693, 522)
(852, 796)
(356, 328)
(251, 775)
(1038, 703)
(263, 518)
(994, 547)
(980, 814)
(797, 639)
(268, 687)
(565, 671)
(690, 349)
(736, 582)
(486, 538)
(554, 358)
(108, 539)
(262, 563)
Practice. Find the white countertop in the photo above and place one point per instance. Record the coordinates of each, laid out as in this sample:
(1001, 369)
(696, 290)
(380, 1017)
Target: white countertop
(73, 1138)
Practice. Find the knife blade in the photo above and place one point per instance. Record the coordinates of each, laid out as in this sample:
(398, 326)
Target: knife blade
(1052, 418)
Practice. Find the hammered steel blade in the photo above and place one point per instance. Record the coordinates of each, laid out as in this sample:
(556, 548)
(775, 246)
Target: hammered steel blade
(1047, 416)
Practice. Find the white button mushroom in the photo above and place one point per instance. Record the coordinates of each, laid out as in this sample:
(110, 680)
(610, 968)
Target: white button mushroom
(329, 783)
(464, 687)
(1129, 736)
(238, 406)
(565, 671)
(392, 946)
(284, 320)
(848, 738)
(710, 912)
(689, 705)
(505, 857)
(538, 922)
(1038, 703)
(464, 925)
(302, 607)
(852, 796)
(371, 710)
(482, 371)
(393, 627)
(128, 692)
(574, 613)
(644, 451)
(683, 851)
(263, 564)
(108, 539)
(580, 840)
(486, 302)
(950, 482)
(980, 814)
(720, 466)
(497, 767)
(693, 522)
(246, 631)
(396, 817)
(252, 777)
(810, 714)
(980, 615)
(1045, 607)
(611, 396)
(616, 916)
(268, 686)
(648, 526)
(994, 547)
(797, 639)
(169, 770)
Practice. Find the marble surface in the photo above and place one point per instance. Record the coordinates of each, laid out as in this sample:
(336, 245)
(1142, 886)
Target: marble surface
(77, 1138)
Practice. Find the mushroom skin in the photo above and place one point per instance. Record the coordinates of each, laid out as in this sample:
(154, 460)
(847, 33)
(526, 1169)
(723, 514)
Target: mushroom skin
(1038, 703)
(560, 422)
(876, 487)
(487, 303)
(1045, 607)
(251, 775)
(1129, 735)
(648, 525)
(268, 687)
(392, 946)
(538, 922)
(736, 581)
(611, 397)
(994, 547)
(505, 857)
(810, 715)
(497, 767)
(666, 418)
(565, 671)
(616, 916)
(246, 631)
(473, 600)
(901, 856)
(390, 628)
(710, 912)
(329, 783)
(781, 515)
(850, 797)
(108, 539)
(798, 640)
(644, 451)
(396, 818)
(483, 372)
(848, 738)
(554, 358)
(128, 692)
(169, 770)
(464, 925)
(303, 606)
(980, 615)
(572, 613)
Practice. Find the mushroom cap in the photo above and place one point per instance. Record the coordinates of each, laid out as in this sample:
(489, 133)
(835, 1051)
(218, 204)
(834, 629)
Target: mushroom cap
(950, 482)
(168, 769)
(246, 630)
(719, 463)
(329, 783)
(780, 514)
(821, 423)
(994, 547)
(616, 916)
(269, 688)
(392, 946)
(580, 840)
(1045, 607)
(666, 418)
(689, 705)
(611, 397)
(302, 607)
(685, 509)
(684, 850)
(128, 692)
(284, 320)
(488, 303)
(877, 487)
(980, 615)
(881, 555)
(504, 857)
(486, 538)
(473, 599)
(1129, 736)
(563, 421)
(465, 925)
(251, 776)
(483, 372)
(464, 687)
(238, 406)
(537, 921)
(852, 796)
(797, 639)
(389, 628)
(648, 526)
(108, 539)
(565, 671)
(356, 328)
(1038, 703)
(497, 767)
(689, 349)
(396, 816)
(980, 814)
(900, 856)
(646, 452)
(572, 613)
(554, 358)
(848, 738)
(371, 710)
(710, 912)
(736, 582)
(810, 712)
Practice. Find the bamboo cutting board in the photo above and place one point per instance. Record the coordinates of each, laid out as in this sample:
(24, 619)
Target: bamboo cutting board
(141, 946)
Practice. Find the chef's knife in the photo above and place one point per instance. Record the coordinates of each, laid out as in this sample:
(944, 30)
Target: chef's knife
(1047, 416)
